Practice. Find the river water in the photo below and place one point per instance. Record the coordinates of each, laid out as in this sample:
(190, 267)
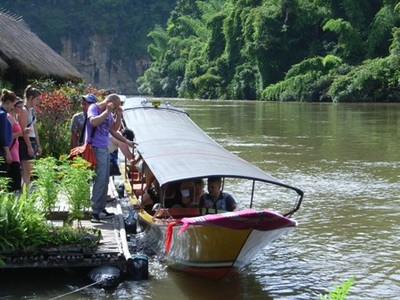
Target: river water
(343, 156)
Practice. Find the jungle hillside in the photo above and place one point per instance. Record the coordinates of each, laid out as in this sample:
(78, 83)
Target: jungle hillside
(275, 50)
(278, 50)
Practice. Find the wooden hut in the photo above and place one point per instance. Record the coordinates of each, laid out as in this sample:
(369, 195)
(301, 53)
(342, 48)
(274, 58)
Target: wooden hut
(24, 56)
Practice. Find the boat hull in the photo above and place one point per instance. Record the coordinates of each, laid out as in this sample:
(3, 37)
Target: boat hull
(207, 250)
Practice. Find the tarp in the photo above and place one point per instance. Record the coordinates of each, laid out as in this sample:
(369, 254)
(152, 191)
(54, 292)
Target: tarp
(240, 220)
(175, 148)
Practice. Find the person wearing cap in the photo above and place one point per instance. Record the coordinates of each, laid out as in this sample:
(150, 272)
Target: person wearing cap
(78, 121)
(100, 124)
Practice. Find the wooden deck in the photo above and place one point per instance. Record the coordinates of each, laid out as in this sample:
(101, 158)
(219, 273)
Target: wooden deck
(111, 249)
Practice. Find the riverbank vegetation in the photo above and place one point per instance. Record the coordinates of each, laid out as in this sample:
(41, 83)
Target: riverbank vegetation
(283, 50)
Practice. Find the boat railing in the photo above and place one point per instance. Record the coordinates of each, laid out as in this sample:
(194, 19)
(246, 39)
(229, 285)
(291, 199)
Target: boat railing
(184, 212)
(296, 205)
(176, 212)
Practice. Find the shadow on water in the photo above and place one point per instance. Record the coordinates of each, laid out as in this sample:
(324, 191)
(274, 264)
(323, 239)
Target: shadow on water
(239, 286)
(40, 284)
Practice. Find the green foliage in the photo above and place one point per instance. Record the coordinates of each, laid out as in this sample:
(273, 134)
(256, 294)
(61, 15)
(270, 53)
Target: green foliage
(23, 223)
(243, 49)
(181, 51)
(216, 44)
(306, 81)
(243, 84)
(207, 86)
(307, 87)
(315, 64)
(75, 178)
(380, 33)
(339, 292)
(158, 48)
(5, 85)
(350, 45)
(45, 186)
(151, 82)
(58, 178)
(331, 61)
(373, 81)
(395, 46)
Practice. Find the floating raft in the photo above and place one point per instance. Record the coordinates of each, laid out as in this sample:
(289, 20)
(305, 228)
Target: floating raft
(110, 247)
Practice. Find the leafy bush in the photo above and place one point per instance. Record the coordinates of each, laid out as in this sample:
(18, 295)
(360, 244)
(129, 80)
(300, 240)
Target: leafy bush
(370, 82)
(75, 178)
(45, 187)
(207, 85)
(23, 223)
(306, 81)
(5, 85)
(339, 292)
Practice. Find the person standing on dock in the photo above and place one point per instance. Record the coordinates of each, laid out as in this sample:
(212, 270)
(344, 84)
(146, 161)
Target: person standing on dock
(78, 121)
(14, 169)
(102, 122)
(29, 144)
(8, 99)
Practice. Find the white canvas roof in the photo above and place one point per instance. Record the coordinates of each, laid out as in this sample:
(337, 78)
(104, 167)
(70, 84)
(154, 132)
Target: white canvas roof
(175, 148)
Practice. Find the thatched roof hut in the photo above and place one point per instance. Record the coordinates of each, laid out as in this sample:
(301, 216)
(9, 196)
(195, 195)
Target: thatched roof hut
(23, 55)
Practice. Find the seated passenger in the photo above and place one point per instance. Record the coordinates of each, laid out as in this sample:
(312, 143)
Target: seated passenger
(187, 190)
(215, 198)
(173, 196)
(198, 191)
(151, 193)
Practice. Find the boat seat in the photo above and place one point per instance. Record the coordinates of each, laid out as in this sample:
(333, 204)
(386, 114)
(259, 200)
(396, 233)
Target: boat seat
(134, 177)
(137, 188)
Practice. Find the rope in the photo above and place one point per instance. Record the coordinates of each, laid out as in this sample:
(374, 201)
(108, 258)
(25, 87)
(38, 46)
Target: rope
(80, 289)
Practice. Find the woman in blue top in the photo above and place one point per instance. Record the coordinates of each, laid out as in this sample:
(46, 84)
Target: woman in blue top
(8, 99)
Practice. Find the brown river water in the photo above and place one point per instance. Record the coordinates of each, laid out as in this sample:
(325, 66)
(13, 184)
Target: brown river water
(345, 157)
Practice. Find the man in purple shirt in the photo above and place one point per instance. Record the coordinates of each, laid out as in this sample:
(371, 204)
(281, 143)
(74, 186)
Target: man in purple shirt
(102, 122)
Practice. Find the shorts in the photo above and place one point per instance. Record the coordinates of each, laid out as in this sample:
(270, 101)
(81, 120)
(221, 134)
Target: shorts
(23, 150)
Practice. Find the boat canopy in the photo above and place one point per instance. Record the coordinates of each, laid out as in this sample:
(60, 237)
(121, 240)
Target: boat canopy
(175, 148)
